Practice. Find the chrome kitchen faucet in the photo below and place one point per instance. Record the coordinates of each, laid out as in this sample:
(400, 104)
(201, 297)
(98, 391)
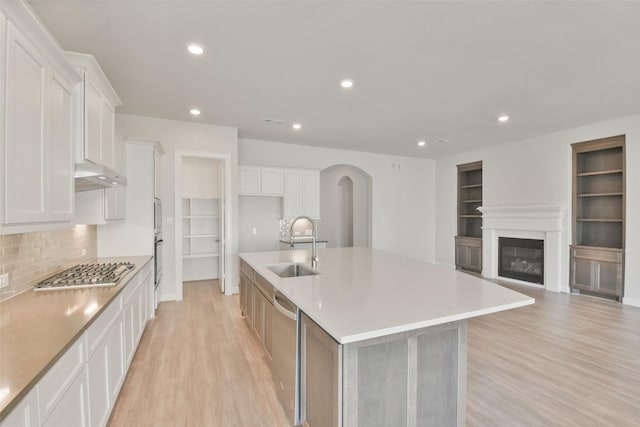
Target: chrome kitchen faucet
(314, 252)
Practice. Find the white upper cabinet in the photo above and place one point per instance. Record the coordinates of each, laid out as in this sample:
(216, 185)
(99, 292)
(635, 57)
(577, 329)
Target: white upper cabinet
(249, 180)
(292, 193)
(94, 105)
(36, 139)
(60, 153)
(302, 193)
(261, 181)
(25, 122)
(272, 181)
(119, 151)
(109, 204)
(311, 193)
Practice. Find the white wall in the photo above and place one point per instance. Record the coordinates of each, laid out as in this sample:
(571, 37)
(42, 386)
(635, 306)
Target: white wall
(262, 214)
(403, 190)
(134, 235)
(538, 171)
(332, 206)
(192, 139)
(199, 178)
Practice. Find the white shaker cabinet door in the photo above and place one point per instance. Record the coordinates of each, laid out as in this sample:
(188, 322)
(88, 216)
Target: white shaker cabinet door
(25, 151)
(25, 414)
(250, 177)
(60, 148)
(311, 193)
(93, 112)
(116, 358)
(107, 133)
(98, 385)
(71, 411)
(292, 193)
(272, 181)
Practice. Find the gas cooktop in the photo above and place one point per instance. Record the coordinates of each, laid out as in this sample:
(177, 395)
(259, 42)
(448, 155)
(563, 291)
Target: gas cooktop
(87, 276)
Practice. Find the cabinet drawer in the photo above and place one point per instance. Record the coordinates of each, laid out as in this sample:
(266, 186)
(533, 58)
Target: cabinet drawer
(246, 269)
(265, 287)
(55, 383)
(100, 326)
(144, 272)
(599, 254)
(130, 289)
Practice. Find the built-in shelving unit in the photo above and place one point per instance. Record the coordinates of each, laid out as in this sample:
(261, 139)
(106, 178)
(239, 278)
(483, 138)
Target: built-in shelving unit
(200, 238)
(469, 237)
(597, 252)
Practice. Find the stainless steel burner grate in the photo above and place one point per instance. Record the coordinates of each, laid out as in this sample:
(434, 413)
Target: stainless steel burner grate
(87, 275)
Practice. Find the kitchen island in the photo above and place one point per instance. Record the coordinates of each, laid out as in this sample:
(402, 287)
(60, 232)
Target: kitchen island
(382, 337)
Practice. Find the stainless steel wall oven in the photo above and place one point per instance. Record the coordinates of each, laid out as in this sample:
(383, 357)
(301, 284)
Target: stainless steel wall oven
(157, 244)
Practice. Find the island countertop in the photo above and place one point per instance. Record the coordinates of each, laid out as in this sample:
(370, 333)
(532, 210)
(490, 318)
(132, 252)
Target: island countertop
(363, 293)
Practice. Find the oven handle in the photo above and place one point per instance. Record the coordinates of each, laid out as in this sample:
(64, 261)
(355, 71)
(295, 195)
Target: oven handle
(282, 310)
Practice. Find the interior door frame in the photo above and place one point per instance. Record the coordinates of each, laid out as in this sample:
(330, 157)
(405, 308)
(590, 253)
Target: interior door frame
(226, 164)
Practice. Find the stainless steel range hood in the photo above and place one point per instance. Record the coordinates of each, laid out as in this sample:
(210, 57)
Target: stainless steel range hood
(89, 176)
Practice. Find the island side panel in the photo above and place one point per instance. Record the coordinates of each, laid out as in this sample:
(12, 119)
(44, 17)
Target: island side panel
(321, 371)
(415, 378)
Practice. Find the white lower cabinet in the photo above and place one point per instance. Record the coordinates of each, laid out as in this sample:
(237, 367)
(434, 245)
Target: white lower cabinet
(82, 386)
(25, 414)
(116, 358)
(63, 389)
(105, 373)
(71, 411)
(98, 379)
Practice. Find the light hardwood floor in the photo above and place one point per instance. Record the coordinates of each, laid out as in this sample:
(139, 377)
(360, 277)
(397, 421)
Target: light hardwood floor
(565, 361)
(198, 365)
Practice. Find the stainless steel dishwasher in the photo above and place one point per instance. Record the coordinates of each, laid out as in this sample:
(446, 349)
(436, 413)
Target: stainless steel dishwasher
(284, 365)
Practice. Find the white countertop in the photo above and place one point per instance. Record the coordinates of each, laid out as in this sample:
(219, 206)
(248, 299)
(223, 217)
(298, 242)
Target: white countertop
(362, 293)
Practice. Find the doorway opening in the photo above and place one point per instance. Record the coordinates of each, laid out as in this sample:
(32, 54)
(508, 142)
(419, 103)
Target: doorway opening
(202, 183)
(345, 201)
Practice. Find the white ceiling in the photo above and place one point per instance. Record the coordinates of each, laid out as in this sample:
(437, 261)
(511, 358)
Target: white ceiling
(428, 70)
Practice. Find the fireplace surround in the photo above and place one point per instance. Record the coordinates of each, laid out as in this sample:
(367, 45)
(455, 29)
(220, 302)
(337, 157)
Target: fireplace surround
(542, 222)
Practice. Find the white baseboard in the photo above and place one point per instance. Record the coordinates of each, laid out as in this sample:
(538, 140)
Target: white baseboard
(634, 302)
(450, 266)
(167, 297)
(233, 290)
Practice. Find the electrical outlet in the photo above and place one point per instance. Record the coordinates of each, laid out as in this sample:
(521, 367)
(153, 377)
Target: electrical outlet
(4, 281)
(84, 252)
(254, 231)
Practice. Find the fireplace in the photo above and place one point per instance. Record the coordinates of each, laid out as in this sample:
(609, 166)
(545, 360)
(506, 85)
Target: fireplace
(521, 259)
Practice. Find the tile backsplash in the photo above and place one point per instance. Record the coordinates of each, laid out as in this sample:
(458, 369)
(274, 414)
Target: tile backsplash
(31, 257)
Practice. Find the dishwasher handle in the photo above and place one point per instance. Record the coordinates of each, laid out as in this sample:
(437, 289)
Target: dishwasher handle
(288, 314)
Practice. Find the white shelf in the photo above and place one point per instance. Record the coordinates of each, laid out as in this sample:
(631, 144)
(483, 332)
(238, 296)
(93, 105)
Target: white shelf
(204, 255)
(201, 235)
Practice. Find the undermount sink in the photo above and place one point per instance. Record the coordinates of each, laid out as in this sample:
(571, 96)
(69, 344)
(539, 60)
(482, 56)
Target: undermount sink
(292, 270)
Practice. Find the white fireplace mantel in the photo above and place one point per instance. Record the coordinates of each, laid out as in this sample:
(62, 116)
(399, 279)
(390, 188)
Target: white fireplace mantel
(543, 222)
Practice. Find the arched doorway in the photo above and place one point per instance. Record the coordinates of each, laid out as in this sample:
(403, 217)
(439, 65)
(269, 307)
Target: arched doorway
(345, 200)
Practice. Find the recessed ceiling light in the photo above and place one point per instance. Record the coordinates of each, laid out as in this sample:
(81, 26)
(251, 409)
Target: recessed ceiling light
(296, 126)
(422, 143)
(195, 49)
(347, 83)
(503, 118)
(194, 112)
